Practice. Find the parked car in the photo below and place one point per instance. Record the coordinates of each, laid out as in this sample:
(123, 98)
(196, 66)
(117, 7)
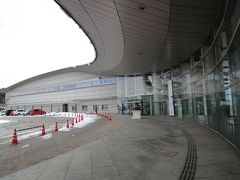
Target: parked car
(9, 112)
(27, 113)
(19, 112)
(3, 113)
(36, 112)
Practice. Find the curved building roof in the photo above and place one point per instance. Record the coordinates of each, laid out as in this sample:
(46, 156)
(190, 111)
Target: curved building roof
(137, 36)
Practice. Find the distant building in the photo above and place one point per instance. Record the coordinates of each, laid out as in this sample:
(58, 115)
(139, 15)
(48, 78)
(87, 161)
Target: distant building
(2, 98)
(64, 91)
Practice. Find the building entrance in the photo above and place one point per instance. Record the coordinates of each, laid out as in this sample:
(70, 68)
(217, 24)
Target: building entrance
(65, 107)
(145, 104)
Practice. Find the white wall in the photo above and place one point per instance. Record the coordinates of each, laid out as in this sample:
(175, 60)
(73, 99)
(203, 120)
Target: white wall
(98, 92)
(57, 79)
(98, 95)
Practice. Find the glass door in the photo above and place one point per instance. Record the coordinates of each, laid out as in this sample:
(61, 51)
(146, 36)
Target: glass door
(147, 105)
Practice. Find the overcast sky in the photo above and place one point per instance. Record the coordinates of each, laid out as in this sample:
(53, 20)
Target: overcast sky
(36, 36)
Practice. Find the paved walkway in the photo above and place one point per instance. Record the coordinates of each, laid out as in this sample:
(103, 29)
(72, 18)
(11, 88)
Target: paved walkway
(153, 148)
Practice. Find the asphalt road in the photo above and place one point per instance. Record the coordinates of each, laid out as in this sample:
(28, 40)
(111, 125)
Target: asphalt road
(34, 150)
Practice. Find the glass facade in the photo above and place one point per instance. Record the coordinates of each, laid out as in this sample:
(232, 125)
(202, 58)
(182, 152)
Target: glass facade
(145, 102)
(135, 90)
(206, 87)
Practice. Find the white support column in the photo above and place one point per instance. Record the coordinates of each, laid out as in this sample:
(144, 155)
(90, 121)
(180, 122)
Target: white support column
(125, 86)
(156, 93)
(170, 99)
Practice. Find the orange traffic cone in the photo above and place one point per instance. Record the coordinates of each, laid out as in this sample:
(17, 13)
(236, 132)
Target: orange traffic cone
(43, 130)
(14, 138)
(73, 123)
(67, 126)
(56, 128)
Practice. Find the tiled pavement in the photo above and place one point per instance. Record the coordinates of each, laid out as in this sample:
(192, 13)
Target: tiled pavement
(153, 148)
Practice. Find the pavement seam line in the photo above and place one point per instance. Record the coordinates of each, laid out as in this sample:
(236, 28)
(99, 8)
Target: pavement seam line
(69, 165)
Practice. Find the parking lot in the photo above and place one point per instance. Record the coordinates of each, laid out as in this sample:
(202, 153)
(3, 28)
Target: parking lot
(33, 147)
(21, 122)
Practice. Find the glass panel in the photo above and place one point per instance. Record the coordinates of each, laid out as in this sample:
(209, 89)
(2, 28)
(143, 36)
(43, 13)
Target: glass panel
(146, 105)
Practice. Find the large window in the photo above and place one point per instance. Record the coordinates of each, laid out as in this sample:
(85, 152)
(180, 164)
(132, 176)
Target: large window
(104, 107)
(84, 107)
(208, 87)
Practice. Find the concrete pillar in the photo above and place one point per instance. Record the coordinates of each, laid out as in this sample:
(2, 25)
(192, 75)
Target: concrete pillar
(156, 93)
(170, 99)
(151, 105)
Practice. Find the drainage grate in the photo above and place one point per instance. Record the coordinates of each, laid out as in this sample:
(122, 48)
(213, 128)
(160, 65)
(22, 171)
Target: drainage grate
(189, 168)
